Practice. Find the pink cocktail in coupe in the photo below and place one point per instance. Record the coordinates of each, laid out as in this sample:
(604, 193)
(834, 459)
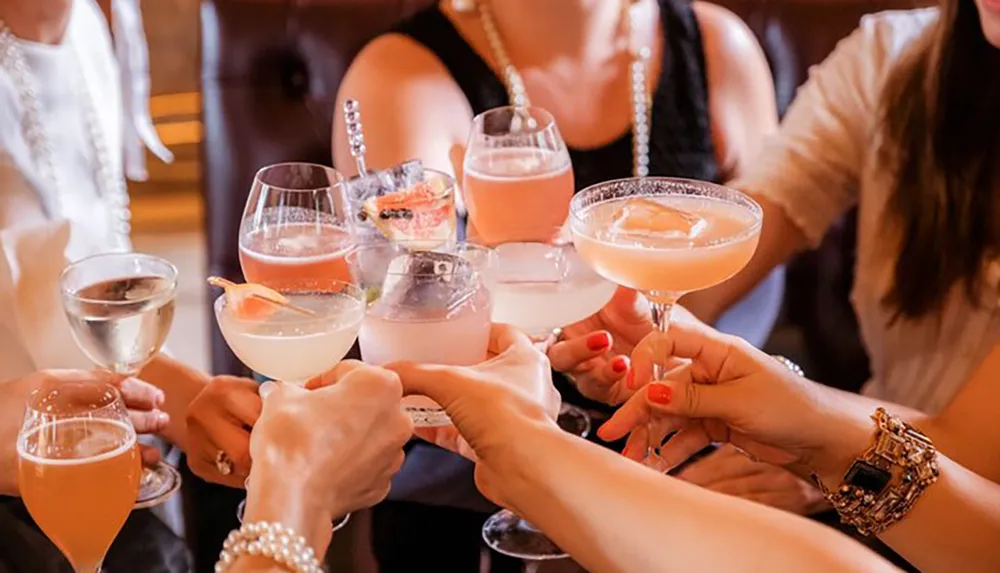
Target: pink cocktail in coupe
(517, 179)
(664, 237)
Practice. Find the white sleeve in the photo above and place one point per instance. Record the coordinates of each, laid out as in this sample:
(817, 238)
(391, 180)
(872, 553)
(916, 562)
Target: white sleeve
(812, 167)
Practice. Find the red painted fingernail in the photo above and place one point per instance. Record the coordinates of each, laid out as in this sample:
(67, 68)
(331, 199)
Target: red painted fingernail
(599, 341)
(659, 393)
(619, 364)
(625, 452)
(630, 380)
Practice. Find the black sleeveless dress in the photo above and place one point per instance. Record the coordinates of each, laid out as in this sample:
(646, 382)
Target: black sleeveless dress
(681, 136)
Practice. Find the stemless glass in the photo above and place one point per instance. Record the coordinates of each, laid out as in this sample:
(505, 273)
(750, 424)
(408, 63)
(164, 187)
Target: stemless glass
(294, 234)
(295, 344)
(78, 468)
(425, 306)
(664, 237)
(517, 177)
(120, 307)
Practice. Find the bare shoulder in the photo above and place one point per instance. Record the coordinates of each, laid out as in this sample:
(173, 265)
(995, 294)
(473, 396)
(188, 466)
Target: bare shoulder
(408, 99)
(724, 34)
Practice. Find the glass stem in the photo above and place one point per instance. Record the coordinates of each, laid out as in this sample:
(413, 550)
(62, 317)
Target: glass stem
(660, 310)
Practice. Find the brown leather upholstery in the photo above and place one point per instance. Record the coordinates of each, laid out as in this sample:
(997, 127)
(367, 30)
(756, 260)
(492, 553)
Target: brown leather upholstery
(270, 73)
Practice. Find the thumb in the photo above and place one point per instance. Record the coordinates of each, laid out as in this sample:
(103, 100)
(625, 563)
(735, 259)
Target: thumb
(443, 384)
(273, 391)
(676, 398)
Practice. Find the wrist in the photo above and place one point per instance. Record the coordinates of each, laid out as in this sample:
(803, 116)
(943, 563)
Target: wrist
(523, 464)
(285, 496)
(851, 434)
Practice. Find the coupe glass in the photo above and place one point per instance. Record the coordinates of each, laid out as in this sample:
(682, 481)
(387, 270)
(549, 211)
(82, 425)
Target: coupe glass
(294, 233)
(79, 468)
(120, 307)
(517, 177)
(295, 344)
(664, 237)
(427, 306)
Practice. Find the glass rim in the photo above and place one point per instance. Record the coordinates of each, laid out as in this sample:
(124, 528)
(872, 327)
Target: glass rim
(258, 177)
(352, 290)
(115, 401)
(547, 120)
(576, 216)
(466, 246)
(448, 177)
(72, 294)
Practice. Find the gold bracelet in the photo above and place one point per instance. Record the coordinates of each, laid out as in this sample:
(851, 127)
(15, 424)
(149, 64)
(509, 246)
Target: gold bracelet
(882, 485)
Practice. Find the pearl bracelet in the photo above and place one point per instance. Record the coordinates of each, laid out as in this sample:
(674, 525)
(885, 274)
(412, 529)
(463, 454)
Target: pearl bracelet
(269, 540)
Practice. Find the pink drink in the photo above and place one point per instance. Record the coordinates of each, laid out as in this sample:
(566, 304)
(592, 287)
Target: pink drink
(296, 257)
(518, 194)
(645, 250)
(460, 339)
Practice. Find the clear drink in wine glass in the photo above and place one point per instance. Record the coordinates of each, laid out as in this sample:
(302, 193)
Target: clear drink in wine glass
(664, 237)
(427, 306)
(517, 177)
(296, 342)
(294, 234)
(78, 468)
(120, 307)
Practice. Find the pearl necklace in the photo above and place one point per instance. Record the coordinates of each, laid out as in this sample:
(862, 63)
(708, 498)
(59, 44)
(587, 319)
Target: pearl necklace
(111, 188)
(638, 88)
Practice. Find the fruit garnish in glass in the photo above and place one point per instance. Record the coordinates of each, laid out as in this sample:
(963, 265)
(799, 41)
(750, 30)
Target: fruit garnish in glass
(120, 308)
(665, 238)
(427, 306)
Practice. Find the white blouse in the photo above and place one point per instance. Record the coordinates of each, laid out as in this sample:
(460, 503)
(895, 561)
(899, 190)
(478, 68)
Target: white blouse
(43, 228)
(823, 162)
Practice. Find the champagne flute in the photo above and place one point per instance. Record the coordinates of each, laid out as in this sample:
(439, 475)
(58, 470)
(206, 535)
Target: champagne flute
(120, 307)
(78, 468)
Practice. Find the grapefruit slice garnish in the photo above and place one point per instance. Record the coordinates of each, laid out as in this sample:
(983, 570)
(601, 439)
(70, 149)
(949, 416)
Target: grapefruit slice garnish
(646, 216)
(422, 213)
(250, 301)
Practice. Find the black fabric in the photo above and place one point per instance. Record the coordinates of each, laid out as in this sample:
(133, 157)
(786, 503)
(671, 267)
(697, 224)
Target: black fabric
(144, 544)
(681, 142)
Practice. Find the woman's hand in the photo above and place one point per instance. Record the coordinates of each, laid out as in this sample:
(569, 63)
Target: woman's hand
(489, 403)
(732, 392)
(219, 419)
(338, 446)
(141, 398)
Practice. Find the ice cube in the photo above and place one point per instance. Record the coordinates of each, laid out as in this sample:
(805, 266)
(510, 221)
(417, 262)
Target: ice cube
(361, 188)
(407, 174)
(649, 218)
(298, 245)
(531, 263)
(429, 283)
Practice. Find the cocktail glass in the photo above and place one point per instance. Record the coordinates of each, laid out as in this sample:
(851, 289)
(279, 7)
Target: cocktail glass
(79, 468)
(517, 178)
(407, 203)
(541, 287)
(294, 234)
(664, 237)
(120, 307)
(427, 306)
(295, 343)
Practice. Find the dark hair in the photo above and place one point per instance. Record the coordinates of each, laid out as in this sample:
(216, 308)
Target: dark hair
(941, 139)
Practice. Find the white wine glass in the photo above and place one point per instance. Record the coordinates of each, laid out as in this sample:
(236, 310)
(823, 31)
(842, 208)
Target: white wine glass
(120, 308)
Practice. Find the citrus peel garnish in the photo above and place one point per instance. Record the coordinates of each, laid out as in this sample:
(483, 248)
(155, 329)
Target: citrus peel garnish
(252, 301)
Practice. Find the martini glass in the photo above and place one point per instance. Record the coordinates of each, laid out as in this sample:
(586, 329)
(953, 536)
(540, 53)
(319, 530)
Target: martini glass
(79, 468)
(665, 238)
(120, 307)
(427, 306)
(295, 343)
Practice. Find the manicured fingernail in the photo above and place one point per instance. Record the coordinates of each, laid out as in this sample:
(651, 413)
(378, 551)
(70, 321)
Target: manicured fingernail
(599, 341)
(163, 417)
(630, 380)
(160, 399)
(625, 452)
(619, 364)
(659, 393)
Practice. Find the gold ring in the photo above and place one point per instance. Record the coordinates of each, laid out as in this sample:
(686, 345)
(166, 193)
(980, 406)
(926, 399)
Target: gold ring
(223, 464)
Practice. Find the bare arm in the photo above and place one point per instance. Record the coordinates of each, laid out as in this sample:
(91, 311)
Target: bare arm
(408, 107)
(661, 524)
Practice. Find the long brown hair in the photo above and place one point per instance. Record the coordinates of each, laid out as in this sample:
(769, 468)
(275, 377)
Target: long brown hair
(941, 140)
